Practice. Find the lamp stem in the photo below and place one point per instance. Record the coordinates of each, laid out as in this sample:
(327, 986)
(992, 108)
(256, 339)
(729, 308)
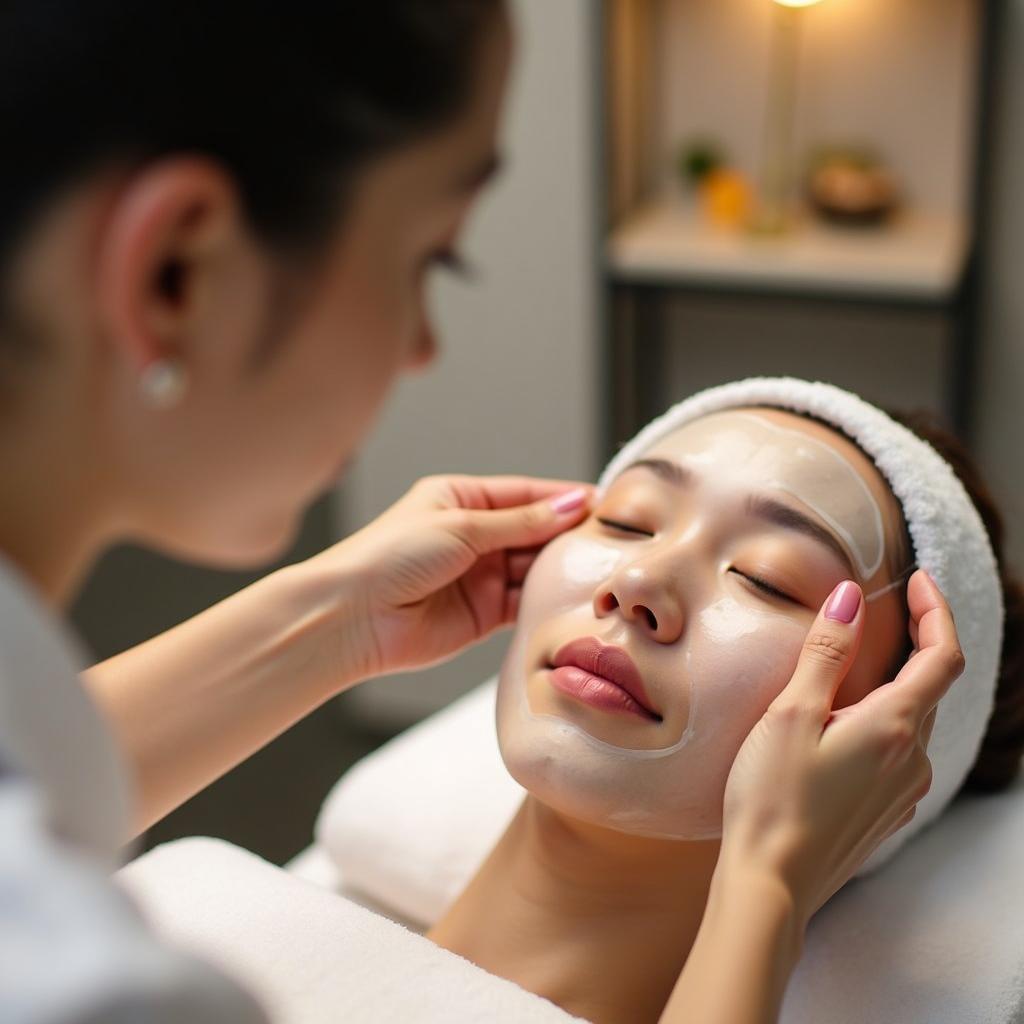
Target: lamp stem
(777, 175)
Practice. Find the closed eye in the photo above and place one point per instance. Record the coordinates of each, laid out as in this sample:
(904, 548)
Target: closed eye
(624, 527)
(764, 586)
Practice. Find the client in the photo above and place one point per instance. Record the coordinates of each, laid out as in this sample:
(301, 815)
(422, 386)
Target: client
(716, 535)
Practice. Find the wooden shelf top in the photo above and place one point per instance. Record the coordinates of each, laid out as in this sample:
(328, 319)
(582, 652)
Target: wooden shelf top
(917, 256)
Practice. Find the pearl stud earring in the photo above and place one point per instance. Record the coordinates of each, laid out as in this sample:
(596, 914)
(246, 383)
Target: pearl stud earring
(163, 383)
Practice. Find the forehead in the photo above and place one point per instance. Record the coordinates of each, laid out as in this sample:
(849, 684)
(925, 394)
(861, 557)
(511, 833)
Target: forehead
(468, 143)
(771, 447)
(445, 166)
(703, 435)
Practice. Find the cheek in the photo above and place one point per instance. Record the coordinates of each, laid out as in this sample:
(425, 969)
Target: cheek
(565, 575)
(371, 306)
(383, 324)
(740, 659)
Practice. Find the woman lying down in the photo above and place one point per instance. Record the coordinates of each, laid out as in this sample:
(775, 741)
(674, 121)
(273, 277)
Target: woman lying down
(652, 638)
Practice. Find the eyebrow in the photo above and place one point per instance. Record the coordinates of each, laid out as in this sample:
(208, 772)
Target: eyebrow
(757, 505)
(789, 518)
(481, 174)
(670, 472)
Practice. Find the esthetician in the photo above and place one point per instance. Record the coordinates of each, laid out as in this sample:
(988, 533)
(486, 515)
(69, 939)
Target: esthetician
(218, 224)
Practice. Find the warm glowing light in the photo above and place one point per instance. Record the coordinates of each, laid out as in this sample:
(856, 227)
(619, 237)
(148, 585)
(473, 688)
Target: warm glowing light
(798, 3)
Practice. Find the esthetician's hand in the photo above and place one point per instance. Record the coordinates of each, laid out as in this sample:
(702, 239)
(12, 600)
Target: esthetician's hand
(813, 791)
(444, 566)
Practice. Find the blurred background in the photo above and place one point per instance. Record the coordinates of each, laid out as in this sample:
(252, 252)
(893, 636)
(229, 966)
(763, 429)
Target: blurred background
(694, 192)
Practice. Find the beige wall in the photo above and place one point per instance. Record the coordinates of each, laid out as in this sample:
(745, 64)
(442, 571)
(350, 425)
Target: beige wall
(515, 390)
(898, 74)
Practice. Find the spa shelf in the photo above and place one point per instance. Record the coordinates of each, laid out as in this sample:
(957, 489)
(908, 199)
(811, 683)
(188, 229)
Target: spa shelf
(919, 256)
(890, 310)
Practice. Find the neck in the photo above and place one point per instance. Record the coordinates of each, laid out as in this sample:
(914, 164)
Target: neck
(598, 922)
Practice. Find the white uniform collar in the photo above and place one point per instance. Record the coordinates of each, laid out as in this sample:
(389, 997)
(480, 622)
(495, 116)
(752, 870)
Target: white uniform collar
(51, 730)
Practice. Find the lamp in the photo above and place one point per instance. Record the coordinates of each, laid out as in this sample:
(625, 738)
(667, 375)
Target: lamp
(771, 216)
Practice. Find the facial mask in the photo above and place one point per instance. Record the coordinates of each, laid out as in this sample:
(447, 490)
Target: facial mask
(735, 657)
(762, 455)
(666, 792)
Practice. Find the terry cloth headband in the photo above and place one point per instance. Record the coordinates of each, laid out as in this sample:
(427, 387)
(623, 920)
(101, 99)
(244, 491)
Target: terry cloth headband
(950, 544)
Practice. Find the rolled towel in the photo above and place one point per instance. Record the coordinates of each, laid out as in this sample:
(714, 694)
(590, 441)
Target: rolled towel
(310, 956)
(411, 823)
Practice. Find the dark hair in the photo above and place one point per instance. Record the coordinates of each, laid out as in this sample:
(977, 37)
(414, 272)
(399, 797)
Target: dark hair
(291, 98)
(999, 757)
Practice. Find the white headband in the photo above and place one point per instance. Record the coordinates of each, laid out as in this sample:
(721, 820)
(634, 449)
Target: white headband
(950, 544)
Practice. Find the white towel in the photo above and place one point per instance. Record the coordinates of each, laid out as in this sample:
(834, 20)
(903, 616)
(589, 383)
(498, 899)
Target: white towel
(308, 954)
(934, 937)
(410, 823)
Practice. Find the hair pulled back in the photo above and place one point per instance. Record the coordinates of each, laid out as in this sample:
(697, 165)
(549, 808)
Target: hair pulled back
(999, 757)
(291, 98)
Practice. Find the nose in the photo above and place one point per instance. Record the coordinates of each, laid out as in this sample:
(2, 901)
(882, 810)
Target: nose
(641, 595)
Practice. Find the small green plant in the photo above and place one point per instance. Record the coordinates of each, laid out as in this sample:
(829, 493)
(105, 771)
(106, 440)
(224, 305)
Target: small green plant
(697, 158)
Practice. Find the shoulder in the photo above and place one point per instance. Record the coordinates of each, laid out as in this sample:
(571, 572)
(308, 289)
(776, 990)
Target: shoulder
(79, 949)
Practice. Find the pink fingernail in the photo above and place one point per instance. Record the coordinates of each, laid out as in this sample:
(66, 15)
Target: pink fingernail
(843, 604)
(570, 501)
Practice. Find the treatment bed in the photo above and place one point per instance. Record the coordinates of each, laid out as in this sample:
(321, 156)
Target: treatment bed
(934, 937)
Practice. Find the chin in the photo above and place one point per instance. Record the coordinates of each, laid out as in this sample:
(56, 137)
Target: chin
(676, 795)
(670, 802)
(240, 549)
(560, 788)
(261, 547)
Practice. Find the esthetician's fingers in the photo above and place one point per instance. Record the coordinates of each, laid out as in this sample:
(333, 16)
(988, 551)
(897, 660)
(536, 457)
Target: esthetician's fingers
(926, 728)
(486, 492)
(522, 526)
(935, 664)
(912, 630)
(493, 513)
(829, 650)
(431, 574)
(936, 639)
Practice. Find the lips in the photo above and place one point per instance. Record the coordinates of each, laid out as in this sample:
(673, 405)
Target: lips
(607, 665)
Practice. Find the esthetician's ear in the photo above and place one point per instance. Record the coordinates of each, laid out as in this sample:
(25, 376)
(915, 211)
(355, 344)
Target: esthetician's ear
(165, 228)
(828, 652)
